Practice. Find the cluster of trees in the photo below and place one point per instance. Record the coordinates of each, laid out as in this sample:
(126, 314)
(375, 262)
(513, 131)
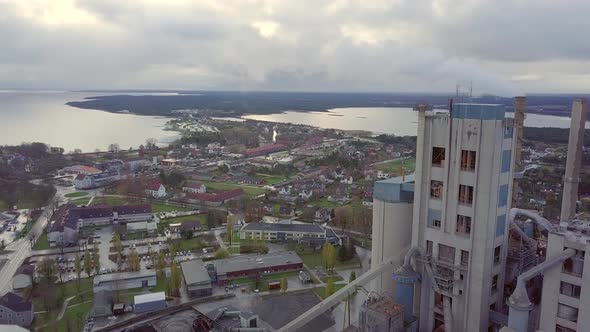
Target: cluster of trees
(357, 218)
(221, 253)
(550, 135)
(329, 256)
(216, 218)
(174, 178)
(25, 194)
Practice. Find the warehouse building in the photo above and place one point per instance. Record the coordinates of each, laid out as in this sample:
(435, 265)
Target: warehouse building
(252, 265)
(149, 302)
(125, 280)
(196, 278)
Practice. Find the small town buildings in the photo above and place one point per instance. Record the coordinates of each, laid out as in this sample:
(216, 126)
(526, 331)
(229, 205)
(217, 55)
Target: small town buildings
(14, 310)
(169, 162)
(124, 280)
(253, 265)
(196, 278)
(191, 226)
(155, 189)
(89, 181)
(69, 219)
(137, 163)
(23, 278)
(149, 302)
(264, 150)
(281, 231)
(214, 199)
(194, 187)
(80, 169)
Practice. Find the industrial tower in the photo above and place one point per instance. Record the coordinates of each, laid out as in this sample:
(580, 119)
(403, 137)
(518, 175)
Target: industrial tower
(462, 196)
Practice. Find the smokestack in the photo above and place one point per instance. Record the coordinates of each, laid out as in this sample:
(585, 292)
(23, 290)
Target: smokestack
(574, 160)
(519, 109)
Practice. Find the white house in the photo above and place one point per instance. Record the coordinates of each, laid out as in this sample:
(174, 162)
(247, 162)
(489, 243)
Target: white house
(194, 187)
(155, 189)
(346, 180)
(305, 194)
(382, 175)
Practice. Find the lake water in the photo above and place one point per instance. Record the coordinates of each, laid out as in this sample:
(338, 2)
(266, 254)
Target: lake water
(398, 121)
(44, 117)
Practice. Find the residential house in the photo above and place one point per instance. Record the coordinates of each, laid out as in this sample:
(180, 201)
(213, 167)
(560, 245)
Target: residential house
(323, 215)
(137, 163)
(196, 278)
(89, 181)
(214, 199)
(155, 189)
(80, 169)
(191, 226)
(305, 194)
(194, 187)
(346, 180)
(14, 310)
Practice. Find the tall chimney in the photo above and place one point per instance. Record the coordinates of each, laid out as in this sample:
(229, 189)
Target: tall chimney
(574, 160)
(519, 109)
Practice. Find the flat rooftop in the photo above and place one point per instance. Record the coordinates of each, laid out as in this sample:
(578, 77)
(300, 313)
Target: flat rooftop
(280, 227)
(242, 263)
(194, 272)
(123, 276)
(151, 297)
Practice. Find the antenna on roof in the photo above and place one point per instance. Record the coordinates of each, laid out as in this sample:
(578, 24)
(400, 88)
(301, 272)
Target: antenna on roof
(470, 90)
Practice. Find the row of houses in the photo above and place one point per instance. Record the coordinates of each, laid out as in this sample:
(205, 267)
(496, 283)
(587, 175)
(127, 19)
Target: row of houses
(69, 219)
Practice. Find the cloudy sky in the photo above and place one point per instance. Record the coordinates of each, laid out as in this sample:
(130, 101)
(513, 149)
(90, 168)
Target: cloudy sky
(505, 47)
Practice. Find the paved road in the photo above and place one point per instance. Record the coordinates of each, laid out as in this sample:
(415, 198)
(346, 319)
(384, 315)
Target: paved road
(21, 249)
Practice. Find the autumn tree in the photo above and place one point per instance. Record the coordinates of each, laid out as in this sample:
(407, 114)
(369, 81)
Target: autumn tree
(118, 248)
(96, 259)
(221, 253)
(134, 261)
(343, 216)
(78, 267)
(87, 263)
(47, 269)
(352, 276)
(175, 280)
(284, 285)
(329, 256)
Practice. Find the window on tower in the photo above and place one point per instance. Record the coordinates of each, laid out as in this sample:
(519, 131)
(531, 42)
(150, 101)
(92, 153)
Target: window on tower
(465, 194)
(468, 160)
(436, 189)
(463, 225)
(438, 157)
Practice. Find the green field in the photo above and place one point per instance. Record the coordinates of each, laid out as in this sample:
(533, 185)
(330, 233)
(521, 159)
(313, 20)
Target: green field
(76, 313)
(393, 167)
(108, 200)
(250, 190)
(272, 179)
(324, 203)
(158, 207)
(42, 243)
(81, 201)
(263, 286)
(76, 194)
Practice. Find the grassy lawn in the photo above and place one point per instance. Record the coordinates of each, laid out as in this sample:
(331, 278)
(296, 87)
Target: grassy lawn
(321, 291)
(158, 207)
(249, 190)
(81, 201)
(394, 166)
(263, 286)
(272, 179)
(335, 278)
(315, 259)
(324, 203)
(65, 291)
(191, 244)
(42, 243)
(76, 194)
(105, 200)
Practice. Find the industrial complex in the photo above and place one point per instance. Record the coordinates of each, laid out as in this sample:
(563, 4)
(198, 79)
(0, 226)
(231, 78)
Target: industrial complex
(449, 253)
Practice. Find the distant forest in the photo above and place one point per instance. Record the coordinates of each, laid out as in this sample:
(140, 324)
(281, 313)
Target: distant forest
(237, 103)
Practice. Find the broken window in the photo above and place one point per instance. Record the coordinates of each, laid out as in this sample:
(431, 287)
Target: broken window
(497, 253)
(438, 157)
(436, 189)
(463, 225)
(465, 194)
(468, 160)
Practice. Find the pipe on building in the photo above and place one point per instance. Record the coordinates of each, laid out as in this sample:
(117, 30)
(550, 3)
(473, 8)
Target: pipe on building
(531, 242)
(519, 303)
(535, 217)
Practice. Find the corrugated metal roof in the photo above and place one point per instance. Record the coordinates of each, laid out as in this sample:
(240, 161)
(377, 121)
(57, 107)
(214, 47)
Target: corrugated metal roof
(151, 297)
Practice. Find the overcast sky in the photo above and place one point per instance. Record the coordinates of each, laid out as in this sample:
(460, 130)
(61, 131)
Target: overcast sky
(505, 47)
